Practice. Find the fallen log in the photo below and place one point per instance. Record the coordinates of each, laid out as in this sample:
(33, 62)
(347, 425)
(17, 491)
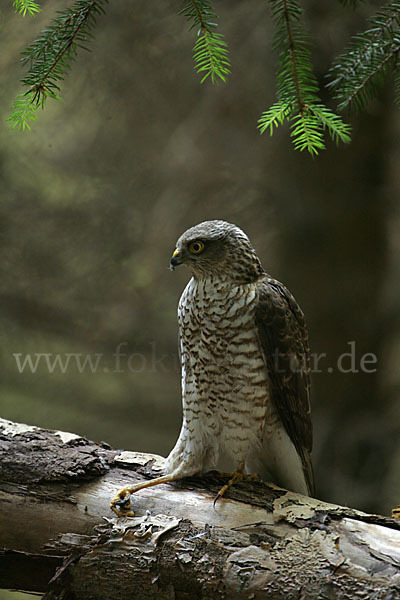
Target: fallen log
(59, 538)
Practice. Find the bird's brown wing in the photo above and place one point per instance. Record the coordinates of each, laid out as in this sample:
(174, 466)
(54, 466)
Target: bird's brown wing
(283, 339)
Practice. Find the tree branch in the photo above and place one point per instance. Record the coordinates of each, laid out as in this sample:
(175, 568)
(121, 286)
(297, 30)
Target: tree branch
(259, 542)
(293, 59)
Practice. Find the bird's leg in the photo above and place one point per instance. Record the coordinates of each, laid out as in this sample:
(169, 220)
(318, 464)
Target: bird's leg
(235, 477)
(121, 504)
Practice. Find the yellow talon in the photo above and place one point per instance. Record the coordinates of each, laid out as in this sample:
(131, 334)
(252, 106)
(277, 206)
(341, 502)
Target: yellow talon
(396, 513)
(234, 478)
(121, 504)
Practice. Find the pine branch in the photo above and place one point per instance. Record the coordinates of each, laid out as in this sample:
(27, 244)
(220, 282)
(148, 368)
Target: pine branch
(50, 56)
(295, 56)
(359, 71)
(298, 100)
(26, 6)
(210, 51)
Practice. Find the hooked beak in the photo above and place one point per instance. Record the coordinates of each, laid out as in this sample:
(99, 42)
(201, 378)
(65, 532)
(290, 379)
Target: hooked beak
(176, 259)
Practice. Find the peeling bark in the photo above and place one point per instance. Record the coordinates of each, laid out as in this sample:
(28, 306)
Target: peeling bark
(58, 536)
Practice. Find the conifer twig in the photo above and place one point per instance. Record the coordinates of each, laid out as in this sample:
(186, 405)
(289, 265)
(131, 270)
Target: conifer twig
(210, 51)
(293, 58)
(358, 71)
(50, 56)
(298, 100)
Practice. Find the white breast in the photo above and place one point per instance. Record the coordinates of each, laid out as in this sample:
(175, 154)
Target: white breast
(224, 379)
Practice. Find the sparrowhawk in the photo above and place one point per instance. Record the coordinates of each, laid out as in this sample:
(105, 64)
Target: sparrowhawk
(244, 354)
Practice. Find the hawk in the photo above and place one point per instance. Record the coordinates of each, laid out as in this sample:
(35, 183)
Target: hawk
(244, 354)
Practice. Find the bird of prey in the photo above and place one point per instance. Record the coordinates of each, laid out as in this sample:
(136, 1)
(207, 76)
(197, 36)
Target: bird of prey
(244, 354)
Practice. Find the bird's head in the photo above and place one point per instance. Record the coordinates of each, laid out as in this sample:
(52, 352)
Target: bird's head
(217, 249)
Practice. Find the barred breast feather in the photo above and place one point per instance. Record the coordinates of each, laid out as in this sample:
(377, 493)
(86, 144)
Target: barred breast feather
(227, 407)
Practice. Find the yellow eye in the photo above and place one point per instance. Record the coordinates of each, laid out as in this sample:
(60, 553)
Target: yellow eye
(196, 247)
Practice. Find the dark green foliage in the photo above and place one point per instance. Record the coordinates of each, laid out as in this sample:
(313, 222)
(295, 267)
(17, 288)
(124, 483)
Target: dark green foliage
(297, 90)
(355, 75)
(50, 56)
(210, 51)
(359, 71)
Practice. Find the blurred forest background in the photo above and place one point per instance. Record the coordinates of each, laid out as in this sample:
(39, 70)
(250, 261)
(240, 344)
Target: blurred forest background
(94, 198)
